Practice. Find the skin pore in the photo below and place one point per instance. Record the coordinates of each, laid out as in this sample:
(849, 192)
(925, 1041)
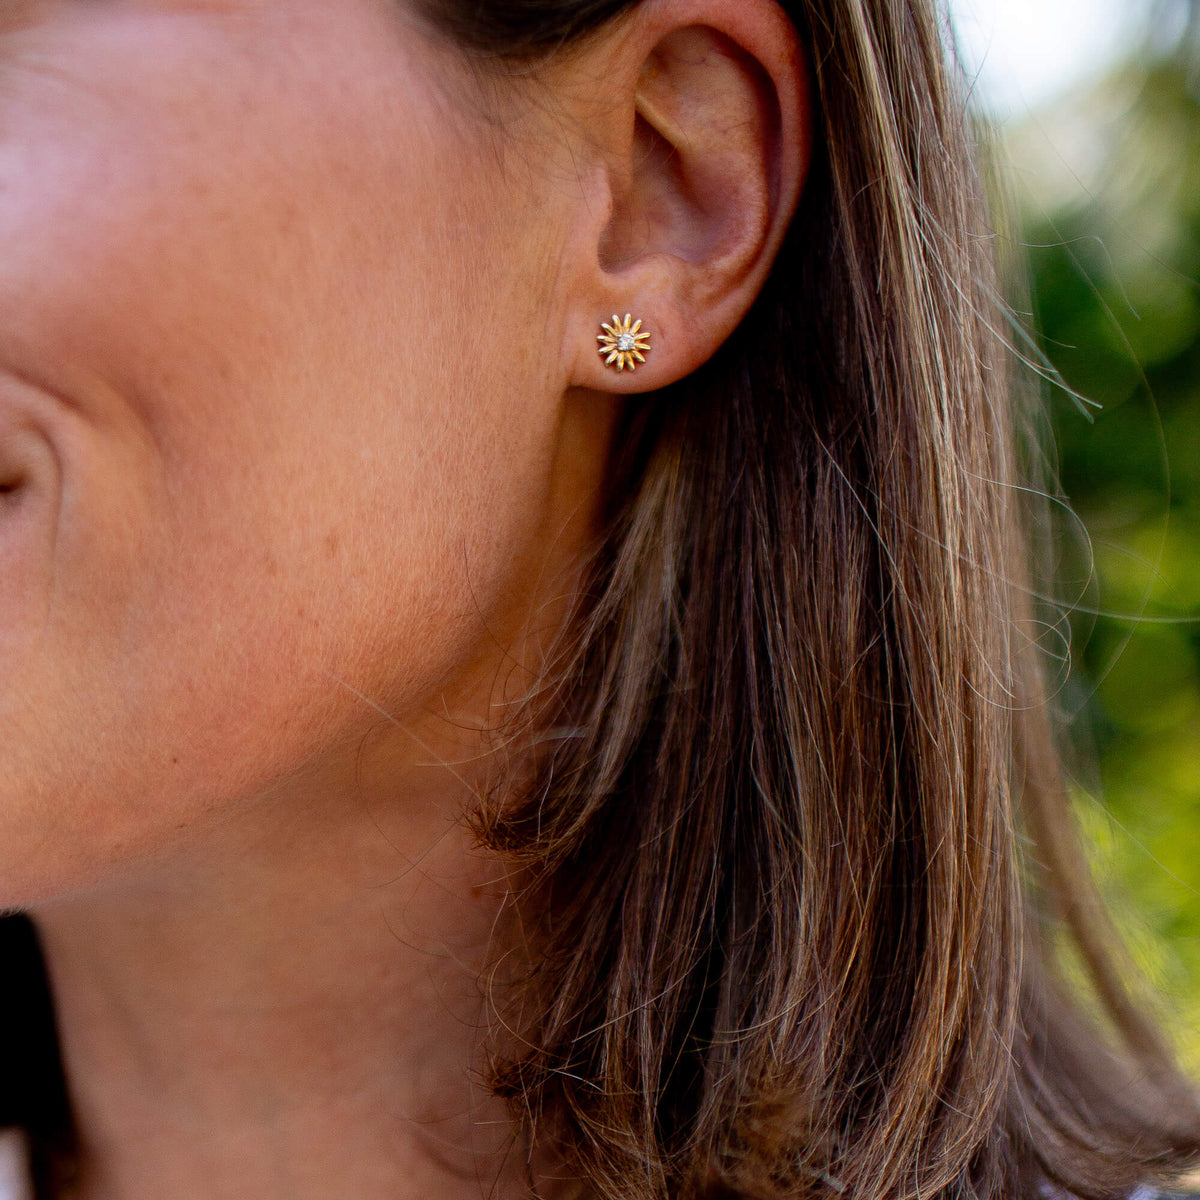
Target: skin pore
(303, 437)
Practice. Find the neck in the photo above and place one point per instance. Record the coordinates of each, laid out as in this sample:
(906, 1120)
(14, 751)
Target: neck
(290, 1005)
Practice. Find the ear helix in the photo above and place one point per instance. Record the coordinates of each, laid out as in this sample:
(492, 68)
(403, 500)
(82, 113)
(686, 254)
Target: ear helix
(622, 343)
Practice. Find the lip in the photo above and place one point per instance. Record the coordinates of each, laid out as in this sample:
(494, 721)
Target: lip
(16, 455)
(29, 480)
(28, 458)
(25, 459)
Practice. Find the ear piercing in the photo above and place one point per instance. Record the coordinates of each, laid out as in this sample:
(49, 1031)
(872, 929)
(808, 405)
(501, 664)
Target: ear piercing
(622, 343)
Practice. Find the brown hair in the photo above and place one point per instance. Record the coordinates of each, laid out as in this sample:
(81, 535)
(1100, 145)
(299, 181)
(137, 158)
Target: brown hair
(785, 943)
(783, 948)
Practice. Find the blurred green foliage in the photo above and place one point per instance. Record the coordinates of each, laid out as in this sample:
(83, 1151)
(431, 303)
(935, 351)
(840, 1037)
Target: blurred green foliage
(1108, 202)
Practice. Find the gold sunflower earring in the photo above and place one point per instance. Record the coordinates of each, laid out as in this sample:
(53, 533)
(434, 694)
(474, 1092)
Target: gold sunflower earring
(622, 343)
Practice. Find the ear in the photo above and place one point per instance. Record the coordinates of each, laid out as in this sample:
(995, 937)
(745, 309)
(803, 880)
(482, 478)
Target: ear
(700, 149)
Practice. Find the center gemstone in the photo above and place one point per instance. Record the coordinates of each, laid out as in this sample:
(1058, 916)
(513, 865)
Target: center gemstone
(625, 342)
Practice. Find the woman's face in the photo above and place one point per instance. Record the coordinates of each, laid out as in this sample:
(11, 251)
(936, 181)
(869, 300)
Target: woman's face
(275, 438)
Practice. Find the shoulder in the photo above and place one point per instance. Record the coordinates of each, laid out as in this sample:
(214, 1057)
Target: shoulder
(14, 1166)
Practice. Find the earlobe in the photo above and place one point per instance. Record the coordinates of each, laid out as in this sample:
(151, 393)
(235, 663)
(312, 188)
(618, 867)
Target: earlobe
(704, 157)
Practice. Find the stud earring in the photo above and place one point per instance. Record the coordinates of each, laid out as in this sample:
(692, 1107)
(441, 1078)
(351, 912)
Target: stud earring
(622, 343)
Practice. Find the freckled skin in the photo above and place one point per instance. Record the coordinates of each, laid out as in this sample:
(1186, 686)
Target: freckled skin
(251, 260)
(303, 439)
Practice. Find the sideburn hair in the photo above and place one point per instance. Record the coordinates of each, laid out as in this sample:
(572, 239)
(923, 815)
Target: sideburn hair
(794, 869)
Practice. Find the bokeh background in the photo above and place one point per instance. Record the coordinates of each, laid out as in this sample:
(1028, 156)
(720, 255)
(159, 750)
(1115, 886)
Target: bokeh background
(1094, 108)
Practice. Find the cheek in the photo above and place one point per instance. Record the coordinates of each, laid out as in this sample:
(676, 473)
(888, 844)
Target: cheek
(284, 484)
